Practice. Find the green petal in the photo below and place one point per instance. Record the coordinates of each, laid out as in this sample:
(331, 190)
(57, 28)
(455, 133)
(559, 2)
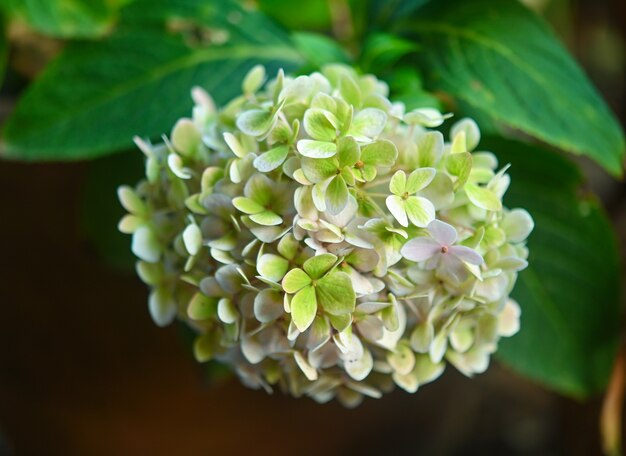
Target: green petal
(397, 185)
(255, 122)
(340, 322)
(272, 267)
(320, 124)
(295, 280)
(380, 153)
(368, 123)
(419, 210)
(247, 205)
(131, 201)
(205, 346)
(185, 137)
(347, 151)
(349, 90)
(234, 145)
(335, 293)
(319, 265)
(266, 218)
(483, 197)
(395, 204)
(316, 149)
(288, 246)
(402, 359)
(253, 80)
(422, 337)
(317, 170)
(459, 165)
(336, 195)
(202, 307)
(271, 159)
(419, 179)
(259, 188)
(369, 172)
(429, 148)
(304, 308)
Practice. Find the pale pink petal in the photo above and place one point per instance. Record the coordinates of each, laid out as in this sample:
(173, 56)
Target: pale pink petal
(443, 233)
(466, 254)
(420, 249)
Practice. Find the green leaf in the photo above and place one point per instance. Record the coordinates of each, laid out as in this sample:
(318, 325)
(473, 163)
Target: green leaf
(570, 293)
(137, 81)
(318, 49)
(319, 265)
(304, 308)
(502, 60)
(335, 293)
(3, 51)
(67, 18)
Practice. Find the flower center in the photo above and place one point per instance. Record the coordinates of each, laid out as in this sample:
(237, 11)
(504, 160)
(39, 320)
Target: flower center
(444, 249)
(359, 164)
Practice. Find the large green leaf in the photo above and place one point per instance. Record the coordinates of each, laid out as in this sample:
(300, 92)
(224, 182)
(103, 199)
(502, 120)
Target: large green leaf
(569, 294)
(500, 58)
(92, 99)
(66, 18)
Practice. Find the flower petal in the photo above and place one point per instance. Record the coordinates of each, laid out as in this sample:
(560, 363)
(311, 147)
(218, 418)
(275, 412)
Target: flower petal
(304, 308)
(420, 211)
(420, 249)
(443, 233)
(395, 204)
(466, 254)
(316, 149)
(295, 280)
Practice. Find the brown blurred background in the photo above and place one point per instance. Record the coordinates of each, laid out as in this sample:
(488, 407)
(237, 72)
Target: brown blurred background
(84, 371)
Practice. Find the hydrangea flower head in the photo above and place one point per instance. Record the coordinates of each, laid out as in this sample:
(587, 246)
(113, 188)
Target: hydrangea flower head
(325, 242)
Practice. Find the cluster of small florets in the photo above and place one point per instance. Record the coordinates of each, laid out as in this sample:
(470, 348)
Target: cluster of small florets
(321, 240)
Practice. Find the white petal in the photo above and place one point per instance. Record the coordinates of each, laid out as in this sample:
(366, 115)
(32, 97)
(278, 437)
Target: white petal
(308, 370)
(192, 238)
(508, 320)
(145, 245)
(226, 311)
(395, 204)
(466, 254)
(175, 164)
(252, 350)
(517, 225)
(162, 307)
(359, 368)
(420, 249)
(443, 233)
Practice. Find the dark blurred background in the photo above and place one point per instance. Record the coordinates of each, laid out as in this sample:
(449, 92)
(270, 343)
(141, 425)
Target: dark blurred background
(84, 371)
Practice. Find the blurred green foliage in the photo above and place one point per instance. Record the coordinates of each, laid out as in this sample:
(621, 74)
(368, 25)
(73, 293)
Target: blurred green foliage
(127, 67)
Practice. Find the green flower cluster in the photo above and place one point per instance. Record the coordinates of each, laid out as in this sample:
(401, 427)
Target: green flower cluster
(321, 240)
